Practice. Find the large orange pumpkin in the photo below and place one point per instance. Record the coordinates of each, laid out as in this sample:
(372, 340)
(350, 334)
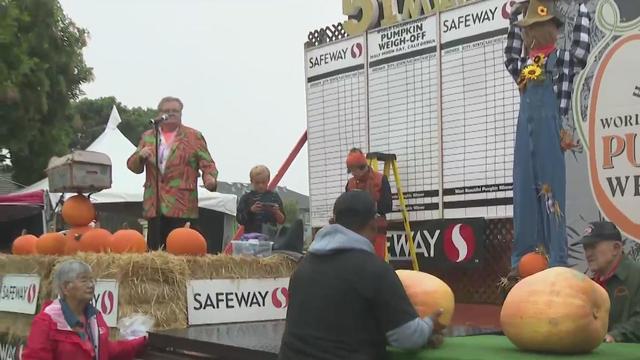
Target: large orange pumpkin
(52, 243)
(72, 239)
(78, 211)
(186, 241)
(532, 263)
(558, 310)
(24, 244)
(96, 240)
(127, 240)
(428, 294)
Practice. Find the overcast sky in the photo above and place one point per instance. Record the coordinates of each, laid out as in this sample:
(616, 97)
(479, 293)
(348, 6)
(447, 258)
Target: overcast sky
(237, 65)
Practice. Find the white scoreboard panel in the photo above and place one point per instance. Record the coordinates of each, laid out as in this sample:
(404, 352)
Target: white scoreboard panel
(403, 119)
(336, 119)
(381, 92)
(479, 112)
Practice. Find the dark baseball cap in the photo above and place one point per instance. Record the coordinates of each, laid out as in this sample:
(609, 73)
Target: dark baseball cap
(354, 209)
(600, 231)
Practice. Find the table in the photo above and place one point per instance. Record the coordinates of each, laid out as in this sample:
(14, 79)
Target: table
(484, 347)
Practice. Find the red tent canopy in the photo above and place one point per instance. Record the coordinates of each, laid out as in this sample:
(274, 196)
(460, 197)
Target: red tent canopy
(34, 198)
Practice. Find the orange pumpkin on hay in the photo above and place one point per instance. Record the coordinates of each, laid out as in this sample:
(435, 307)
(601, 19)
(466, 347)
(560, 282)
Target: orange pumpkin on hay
(72, 239)
(52, 243)
(24, 244)
(186, 241)
(78, 211)
(127, 241)
(96, 240)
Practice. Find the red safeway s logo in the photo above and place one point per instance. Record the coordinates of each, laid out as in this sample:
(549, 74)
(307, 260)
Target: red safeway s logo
(459, 242)
(280, 297)
(356, 50)
(31, 293)
(107, 302)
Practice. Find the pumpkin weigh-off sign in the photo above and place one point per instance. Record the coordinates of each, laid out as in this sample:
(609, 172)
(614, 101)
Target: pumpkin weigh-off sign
(614, 144)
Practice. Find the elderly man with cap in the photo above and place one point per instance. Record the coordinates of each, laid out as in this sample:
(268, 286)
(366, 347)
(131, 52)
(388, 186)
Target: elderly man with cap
(344, 301)
(619, 275)
(377, 185)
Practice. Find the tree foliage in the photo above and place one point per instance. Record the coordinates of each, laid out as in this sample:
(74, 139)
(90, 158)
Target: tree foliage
(41, 71)
(291, 211)
(90, 119)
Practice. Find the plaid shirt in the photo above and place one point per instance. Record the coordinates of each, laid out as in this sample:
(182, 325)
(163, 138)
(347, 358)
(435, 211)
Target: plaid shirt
(569, 62)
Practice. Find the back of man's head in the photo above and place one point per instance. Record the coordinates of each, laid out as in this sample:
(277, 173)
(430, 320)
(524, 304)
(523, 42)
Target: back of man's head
(354, 210)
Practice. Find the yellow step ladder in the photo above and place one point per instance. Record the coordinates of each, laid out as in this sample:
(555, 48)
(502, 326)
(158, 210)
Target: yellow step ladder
(391, 162)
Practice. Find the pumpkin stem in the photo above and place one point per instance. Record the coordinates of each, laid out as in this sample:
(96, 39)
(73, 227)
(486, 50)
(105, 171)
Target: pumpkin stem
(187, 225)
(125, 226)
(24, 232)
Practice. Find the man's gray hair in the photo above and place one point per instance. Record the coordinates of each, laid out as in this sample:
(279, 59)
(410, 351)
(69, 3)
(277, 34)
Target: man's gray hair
(168, 99)
(68, 271)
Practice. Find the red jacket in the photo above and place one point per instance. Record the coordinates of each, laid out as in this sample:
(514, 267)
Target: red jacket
(51, 338)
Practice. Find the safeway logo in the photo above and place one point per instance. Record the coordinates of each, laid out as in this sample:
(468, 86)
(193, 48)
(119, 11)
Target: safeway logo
(280, 297)
(106, 302)
(459, 242)
(31, 293)
(356, 50)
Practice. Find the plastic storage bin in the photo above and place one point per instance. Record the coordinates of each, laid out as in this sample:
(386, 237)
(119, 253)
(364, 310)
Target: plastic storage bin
(258, 248)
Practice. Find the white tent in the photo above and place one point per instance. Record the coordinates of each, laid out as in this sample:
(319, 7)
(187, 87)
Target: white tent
(127, 186)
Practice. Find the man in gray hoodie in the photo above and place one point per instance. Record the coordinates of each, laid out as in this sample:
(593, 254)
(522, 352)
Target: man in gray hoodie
(344, 301)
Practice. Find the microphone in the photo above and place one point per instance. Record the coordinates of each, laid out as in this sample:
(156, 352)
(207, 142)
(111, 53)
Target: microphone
(159, 119)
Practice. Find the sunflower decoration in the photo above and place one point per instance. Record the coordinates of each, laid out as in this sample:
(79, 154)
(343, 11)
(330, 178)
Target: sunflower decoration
(522, 81)
(542, 10)
(539, 59)
(532, 72)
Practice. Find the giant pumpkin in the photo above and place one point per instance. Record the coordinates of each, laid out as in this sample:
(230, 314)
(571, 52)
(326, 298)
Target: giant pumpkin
(24, 244)
(52, 243)
(78, 211)
(428, 293)
(558, 310)
(127, 240)
(186, 241)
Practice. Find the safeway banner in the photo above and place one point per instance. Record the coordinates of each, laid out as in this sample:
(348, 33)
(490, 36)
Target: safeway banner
(105, 299)
(237, 300)
(19, 293)
(440, 243)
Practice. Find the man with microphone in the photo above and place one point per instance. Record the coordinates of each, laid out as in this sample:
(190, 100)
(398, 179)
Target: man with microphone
(172, 182)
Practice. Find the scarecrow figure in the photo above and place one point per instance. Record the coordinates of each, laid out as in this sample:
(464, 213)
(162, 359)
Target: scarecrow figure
(544, 75)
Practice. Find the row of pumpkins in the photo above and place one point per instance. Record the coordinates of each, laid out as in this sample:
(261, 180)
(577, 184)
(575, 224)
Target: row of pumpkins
(553, 310)
(79, 213)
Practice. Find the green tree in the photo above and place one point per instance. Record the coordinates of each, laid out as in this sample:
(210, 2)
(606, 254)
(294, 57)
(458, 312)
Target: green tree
(90, 119)
(291, 211)
(41, 71)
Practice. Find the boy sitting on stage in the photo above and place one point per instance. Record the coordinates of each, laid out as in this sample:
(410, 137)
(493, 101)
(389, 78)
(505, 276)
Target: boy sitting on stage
(260, 206)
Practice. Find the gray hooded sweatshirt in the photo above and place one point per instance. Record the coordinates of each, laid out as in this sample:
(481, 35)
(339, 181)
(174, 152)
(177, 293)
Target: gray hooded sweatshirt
(409, 336)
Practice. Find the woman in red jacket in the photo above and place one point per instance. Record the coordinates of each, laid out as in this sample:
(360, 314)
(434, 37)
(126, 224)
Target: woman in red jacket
(69, 327)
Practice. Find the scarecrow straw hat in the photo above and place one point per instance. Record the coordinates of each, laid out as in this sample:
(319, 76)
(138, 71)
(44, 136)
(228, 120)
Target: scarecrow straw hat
(539, 11)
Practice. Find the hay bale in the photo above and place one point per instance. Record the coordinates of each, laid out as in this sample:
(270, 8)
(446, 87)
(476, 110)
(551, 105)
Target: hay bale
(230, 267)
(151, 283)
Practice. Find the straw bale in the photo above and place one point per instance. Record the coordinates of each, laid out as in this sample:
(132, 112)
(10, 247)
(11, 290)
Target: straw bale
(151, 283)
(231, 267)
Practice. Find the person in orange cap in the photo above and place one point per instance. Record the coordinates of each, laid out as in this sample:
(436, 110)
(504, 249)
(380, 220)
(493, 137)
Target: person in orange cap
(376, 184)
